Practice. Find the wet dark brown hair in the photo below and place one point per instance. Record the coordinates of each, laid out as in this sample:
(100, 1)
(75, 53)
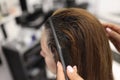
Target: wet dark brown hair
(83, 41)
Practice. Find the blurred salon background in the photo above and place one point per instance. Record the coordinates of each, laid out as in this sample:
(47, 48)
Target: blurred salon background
(20, 31)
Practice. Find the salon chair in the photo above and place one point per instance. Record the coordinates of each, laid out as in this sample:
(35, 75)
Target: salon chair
(24, 61)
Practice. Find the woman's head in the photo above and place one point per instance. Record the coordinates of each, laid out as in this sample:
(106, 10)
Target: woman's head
(83, 41)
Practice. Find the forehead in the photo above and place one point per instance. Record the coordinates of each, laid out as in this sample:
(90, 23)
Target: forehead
(43, 40)
(43, 34)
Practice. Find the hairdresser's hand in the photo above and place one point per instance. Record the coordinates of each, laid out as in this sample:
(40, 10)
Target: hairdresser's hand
(113, 32)
(71, 73)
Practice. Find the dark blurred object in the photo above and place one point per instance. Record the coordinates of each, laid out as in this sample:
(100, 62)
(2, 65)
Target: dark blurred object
(47, 15)
(23, 5)
(71, 3)
(83, 5)
(31, 20)
(24, 61)
(3, 31)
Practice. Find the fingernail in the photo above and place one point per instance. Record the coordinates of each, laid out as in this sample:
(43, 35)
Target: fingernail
(75, 67)
(70, 69)
(58, 63)
(108, 29)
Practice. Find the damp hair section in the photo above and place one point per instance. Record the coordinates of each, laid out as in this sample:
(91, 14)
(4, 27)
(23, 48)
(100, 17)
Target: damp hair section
(83, 41)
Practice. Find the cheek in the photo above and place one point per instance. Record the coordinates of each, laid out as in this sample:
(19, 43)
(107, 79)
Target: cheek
(51, 65)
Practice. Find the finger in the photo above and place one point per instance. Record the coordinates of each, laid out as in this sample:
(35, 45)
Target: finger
(105, 25)
(75, 68)
(116, 44)
(60, 73)
(113, 27)
(72, 74)
(114, 38)
(108, 25)
(113, 35)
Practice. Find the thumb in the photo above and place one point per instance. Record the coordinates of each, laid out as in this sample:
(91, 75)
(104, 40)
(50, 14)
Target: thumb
(72, 74)
(114, 35)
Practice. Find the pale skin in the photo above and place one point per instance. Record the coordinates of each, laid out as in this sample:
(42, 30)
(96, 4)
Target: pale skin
(46, 53)
(51, 65)
(113, 33)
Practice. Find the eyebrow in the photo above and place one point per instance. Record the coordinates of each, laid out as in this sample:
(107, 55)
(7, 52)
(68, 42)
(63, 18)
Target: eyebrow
(59, 49)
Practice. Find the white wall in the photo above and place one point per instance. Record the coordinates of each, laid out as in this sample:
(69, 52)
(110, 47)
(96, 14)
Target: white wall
(109, 5)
